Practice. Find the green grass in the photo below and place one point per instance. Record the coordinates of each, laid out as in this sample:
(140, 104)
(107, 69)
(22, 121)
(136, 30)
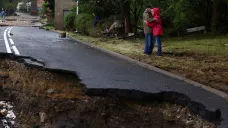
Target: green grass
(209, 46)
(49, 26)
(43, 21)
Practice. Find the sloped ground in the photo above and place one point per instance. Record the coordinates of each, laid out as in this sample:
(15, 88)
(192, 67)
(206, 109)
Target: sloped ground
(53, 99)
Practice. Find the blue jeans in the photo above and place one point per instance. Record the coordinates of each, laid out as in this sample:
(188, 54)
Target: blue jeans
(3, 18)
(158, 41)
(148, 43)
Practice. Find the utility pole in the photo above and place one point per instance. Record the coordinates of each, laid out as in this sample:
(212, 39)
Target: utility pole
(77, 7)
(77, 12)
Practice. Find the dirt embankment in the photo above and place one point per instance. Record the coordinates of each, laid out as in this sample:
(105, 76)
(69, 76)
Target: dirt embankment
(54, 99)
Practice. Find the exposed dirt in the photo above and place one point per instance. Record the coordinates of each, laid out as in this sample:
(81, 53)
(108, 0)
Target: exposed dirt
(54, 99)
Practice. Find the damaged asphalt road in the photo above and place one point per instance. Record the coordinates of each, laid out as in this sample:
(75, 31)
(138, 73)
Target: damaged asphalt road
(107, 75)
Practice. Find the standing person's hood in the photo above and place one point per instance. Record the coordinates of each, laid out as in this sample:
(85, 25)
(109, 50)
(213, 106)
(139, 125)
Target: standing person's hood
(156, 11)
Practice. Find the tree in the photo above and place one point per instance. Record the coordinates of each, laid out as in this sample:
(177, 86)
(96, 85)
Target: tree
(137, 8)
(50, 7)
(9, 5)
(177, 15)
(126, 11)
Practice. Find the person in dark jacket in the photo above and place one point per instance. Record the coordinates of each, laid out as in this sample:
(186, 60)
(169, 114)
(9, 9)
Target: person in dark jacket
(3, 14)
(147, 16)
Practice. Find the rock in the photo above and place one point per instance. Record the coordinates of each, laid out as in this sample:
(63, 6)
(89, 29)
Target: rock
(11, 115)
(49, 91)
(86, 101)
(12, 122)
(43, 116)
(3, 112)
(198, 124)
(2, 103)
(4, 123)
(62, 35)
(189, 122)
(206, 126)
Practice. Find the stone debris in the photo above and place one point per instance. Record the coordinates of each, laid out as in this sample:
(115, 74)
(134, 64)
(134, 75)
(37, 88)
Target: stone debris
(7, 116)
(43, 117)
(50, 91)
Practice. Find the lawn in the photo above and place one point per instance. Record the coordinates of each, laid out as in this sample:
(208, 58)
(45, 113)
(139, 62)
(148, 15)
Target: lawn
(201, 58)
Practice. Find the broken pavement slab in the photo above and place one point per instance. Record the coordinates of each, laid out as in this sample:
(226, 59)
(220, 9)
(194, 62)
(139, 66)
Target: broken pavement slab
(31, 62)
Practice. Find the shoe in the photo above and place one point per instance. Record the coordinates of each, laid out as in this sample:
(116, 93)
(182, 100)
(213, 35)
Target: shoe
(145, 54)
(158, 54)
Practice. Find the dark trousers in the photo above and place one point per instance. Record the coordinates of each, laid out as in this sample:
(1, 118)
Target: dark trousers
(158, 41)
(148, 43)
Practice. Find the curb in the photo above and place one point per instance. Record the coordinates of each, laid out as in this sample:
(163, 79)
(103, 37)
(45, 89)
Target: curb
(158, 70)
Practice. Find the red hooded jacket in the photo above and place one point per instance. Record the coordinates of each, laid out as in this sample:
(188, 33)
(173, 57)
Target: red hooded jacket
(156, 25)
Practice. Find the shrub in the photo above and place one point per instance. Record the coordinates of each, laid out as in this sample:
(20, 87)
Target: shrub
(100, 28)
(69, 21)
(83, 23)
(43, 9)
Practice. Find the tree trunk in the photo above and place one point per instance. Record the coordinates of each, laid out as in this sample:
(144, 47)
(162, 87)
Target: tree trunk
(214, 21)
(127, 22)
(208, 15)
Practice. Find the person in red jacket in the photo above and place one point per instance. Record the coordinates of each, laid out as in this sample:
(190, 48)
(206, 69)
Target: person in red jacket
(157, 29)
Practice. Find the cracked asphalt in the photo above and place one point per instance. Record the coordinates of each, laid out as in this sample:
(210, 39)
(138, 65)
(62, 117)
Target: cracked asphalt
(99, 70)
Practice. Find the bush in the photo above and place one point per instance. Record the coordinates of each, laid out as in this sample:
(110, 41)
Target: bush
(43, 9)
(84, 23)
(100, 28)
(69, 21)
